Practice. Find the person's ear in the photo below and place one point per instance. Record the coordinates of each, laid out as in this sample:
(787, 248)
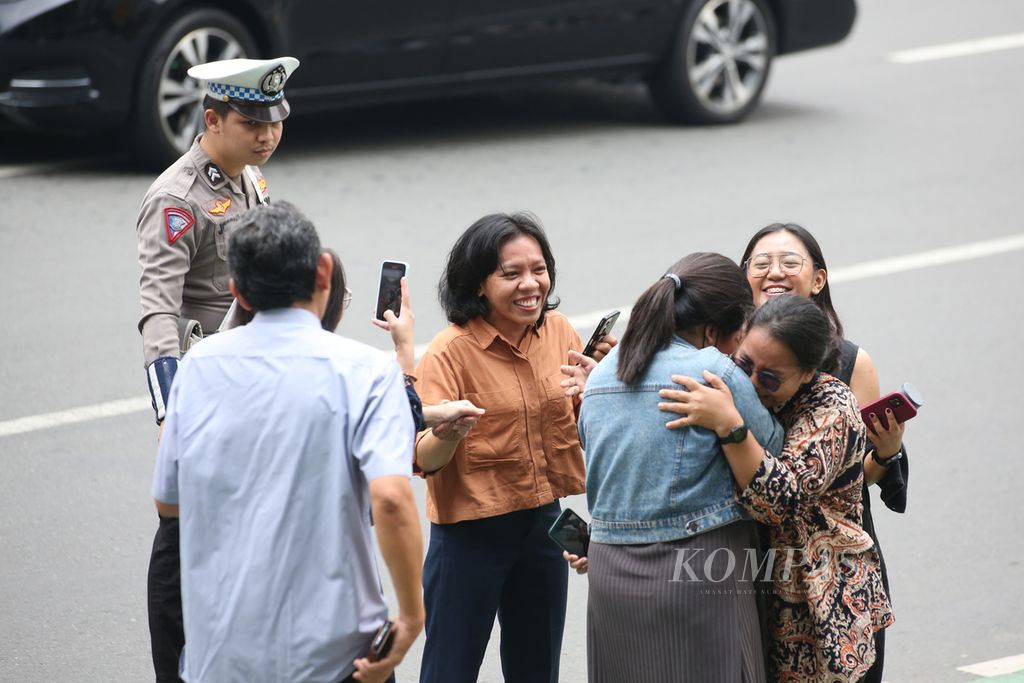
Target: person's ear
(238, 295)
(819, 281)
(212, 120)
(807, 376)
(324, 270)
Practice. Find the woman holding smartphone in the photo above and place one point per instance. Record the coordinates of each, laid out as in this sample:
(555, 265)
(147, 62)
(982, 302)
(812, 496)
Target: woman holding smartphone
(786, 259)
(671, 596)
(829, 599)
(493, 490)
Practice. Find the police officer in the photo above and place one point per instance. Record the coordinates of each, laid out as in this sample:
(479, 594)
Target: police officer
(183, 256)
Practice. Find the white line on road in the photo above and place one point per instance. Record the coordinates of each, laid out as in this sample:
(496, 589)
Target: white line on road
(19, 170)
(962, 49)
(996, 667)
(583, 322)
(34, 423)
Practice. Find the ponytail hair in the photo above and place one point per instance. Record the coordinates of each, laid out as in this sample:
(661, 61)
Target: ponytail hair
(713, 291)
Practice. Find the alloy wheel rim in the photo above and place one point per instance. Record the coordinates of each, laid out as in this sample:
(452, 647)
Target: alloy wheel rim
(727, 55)
(180, 97)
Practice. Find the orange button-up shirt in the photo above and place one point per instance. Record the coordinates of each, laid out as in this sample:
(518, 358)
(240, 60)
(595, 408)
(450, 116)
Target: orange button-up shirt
(525, 451)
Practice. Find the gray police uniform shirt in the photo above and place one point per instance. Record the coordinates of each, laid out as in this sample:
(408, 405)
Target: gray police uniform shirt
(183, 248)
(273, 432)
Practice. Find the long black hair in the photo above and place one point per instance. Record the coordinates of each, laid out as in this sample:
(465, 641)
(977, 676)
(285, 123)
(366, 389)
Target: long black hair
(475, 256)
(822, 298)
(714, 291)
(802, 326)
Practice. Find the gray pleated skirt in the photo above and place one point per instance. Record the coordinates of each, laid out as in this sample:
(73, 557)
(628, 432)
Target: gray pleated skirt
(648, 621)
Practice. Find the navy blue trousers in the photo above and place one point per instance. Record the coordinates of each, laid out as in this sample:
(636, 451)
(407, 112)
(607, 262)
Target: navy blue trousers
(505, 565)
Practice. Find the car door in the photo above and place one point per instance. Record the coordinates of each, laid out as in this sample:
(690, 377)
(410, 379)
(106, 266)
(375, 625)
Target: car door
(352, 45)
(531, 36)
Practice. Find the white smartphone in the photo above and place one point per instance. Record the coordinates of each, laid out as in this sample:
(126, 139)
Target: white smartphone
(389, 288)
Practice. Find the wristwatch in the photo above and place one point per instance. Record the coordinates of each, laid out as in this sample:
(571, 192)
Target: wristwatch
(735, 435)
(885, 462)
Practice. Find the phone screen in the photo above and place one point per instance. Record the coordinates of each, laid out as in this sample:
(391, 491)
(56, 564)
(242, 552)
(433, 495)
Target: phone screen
(389, 290)
(571, 532)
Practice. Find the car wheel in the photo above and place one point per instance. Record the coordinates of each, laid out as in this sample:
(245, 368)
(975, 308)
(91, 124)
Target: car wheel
(168, 103)
(718, 64)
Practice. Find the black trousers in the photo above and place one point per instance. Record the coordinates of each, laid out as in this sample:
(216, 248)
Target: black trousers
(166, 629)
(505, 565)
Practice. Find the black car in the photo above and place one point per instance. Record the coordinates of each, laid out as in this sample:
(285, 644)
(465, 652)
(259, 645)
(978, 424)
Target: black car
(78, 65)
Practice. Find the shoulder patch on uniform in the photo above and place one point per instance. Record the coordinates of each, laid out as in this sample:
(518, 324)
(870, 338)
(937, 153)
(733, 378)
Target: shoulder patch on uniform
(219, 206)
(262, 182)
(177, 221)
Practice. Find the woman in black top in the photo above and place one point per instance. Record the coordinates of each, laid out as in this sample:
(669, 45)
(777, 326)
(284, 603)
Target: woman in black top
(786, 259)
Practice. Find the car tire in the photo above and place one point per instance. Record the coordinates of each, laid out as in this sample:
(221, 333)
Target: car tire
(718, 64)
(168, 111)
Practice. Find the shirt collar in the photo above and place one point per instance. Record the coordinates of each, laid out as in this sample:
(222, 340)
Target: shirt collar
(486, 334)
(286, 316)
(205, 166)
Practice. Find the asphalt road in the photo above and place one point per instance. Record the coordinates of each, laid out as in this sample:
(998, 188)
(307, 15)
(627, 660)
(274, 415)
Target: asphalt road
(879, 159)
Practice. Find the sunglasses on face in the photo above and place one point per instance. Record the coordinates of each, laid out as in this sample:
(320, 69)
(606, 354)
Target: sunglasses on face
(768, 380)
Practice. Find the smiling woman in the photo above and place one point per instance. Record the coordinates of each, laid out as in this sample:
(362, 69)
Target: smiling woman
(493, 489)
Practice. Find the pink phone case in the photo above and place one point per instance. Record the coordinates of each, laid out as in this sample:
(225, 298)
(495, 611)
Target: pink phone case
(902, 407)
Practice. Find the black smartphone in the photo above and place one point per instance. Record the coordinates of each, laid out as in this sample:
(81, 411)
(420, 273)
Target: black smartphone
(382, 642)
(603, 328)
(389, 289)
(571, 532)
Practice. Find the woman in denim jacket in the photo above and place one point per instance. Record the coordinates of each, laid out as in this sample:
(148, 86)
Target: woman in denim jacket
(671, 580)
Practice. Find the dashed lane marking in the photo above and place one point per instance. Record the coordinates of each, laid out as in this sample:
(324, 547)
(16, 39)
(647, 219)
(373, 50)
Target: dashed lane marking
(996, 667)
(584, 322)
(961, 49)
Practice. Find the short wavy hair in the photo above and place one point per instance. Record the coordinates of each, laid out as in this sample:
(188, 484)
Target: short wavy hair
(475, 256)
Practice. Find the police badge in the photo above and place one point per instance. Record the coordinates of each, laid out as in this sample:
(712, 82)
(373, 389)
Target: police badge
(272, 82)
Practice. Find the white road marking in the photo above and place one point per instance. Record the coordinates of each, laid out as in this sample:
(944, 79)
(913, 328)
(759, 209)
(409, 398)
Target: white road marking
(996, 667)
(584, 323)
(962, 49)
(34, 423)
(19, 170)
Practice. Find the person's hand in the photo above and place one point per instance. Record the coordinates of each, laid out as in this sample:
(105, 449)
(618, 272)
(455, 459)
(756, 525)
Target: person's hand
(887, 441)
(576, 562)
(577, 373)
(601, 349)
(701, 406)
(402, 330)
(406, 632)
(451, 411)
(454, 430)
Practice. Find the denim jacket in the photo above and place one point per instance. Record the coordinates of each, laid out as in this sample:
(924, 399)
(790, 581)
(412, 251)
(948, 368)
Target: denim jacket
(645, 482)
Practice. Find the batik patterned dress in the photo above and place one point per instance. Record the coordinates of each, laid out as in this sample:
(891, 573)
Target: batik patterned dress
(828, 598)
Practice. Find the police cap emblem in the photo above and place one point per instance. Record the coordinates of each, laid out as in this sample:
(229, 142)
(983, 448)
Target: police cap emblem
(273, 81)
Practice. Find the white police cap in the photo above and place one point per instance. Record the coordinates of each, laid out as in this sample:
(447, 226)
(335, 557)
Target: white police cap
(252, 87)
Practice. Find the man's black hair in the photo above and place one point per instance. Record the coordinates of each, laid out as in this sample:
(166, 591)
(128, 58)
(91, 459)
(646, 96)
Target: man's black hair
(273, 252)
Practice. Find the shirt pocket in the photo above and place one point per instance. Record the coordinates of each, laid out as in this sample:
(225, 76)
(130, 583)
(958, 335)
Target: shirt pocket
(220, 264)
(497, 439)
(562, 443)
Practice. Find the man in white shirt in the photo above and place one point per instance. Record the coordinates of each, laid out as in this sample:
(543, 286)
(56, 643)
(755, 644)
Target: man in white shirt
(280, 440)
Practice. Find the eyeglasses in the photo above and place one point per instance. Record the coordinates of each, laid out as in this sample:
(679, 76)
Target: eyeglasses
(346, 298)
(760, 264)
(768, 380)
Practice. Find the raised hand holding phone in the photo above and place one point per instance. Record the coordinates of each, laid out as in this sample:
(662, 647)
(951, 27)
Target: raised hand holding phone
(603, 329)
(389, 288)
(901, 405)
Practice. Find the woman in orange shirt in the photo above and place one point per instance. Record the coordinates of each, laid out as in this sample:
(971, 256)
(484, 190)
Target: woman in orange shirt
(493, 489)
